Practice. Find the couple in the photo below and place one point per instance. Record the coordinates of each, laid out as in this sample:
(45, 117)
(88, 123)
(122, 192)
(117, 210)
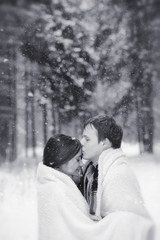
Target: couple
(106, 203)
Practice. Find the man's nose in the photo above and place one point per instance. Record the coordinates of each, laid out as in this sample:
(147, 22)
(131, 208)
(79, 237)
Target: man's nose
(80, 163)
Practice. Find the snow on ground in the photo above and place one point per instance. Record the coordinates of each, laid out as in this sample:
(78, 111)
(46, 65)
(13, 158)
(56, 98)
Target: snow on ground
(18, 212)
(147, 169)
(18, 215)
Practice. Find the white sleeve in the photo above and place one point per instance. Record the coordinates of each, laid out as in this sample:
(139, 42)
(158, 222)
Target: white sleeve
(121, 192)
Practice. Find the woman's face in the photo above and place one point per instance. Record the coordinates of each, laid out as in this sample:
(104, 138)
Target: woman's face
(72, 167)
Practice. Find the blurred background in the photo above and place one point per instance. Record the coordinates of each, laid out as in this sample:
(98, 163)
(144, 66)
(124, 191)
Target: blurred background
(61, 62)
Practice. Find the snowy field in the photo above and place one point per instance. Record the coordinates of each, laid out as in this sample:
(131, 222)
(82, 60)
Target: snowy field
(18, 213)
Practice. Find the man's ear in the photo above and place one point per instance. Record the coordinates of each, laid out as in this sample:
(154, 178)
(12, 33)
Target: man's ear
(106, 143)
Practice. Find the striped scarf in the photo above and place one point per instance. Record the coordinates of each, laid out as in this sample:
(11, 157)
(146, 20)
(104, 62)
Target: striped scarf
(88, 186)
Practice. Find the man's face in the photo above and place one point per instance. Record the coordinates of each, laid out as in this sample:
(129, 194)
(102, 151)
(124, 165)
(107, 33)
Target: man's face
(91, 147)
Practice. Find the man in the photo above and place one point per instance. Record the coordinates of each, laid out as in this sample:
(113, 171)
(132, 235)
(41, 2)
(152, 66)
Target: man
(109, 185)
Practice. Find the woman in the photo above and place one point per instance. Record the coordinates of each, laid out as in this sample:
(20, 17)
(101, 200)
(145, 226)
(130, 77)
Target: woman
(62, 210)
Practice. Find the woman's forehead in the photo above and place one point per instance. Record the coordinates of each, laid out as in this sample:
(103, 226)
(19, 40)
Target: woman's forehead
(79, 153)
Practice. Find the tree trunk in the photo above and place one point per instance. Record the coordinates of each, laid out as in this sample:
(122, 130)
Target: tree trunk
(142, 78)
(58, 119)
(148, 120)
(26, 114)
(33, 115)
(14, 106)
(45, 122)
(139, 120)
(53, 117)
(33, 126)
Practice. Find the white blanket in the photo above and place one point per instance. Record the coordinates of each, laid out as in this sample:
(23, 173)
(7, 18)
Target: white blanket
(118, 188)
(63, 213)
(62, 210)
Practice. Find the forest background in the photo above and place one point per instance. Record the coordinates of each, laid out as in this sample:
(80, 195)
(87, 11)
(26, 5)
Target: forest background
(64, 61)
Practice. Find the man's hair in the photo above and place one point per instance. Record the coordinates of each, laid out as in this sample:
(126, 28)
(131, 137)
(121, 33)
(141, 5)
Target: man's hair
(60, 149)
(106, 128)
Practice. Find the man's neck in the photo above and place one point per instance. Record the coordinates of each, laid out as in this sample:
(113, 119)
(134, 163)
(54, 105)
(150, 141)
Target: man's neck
(95, 160)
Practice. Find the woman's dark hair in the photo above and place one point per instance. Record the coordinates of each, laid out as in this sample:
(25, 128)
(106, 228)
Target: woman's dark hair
(60, 149)
(106, 127)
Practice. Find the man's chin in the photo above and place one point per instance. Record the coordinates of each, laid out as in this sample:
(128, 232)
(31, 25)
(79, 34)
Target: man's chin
(84, 157)
(85, 161)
